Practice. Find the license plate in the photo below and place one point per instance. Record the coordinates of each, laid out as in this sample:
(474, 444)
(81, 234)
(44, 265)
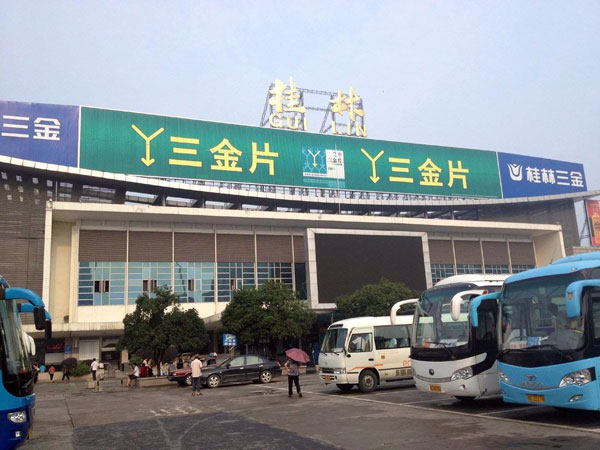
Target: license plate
(327, 378)
(435, 388)
(535, 398)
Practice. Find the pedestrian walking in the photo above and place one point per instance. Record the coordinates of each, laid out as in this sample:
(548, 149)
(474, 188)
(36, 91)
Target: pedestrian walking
(65, 371)
(36, 371)
(196, 373)
(51, 371)
(293, 373)
(94, 368)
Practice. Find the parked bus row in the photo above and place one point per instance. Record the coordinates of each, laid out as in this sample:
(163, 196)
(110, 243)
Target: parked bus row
(533, 337)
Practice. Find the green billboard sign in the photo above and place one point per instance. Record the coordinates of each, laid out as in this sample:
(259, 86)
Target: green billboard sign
(161, 146)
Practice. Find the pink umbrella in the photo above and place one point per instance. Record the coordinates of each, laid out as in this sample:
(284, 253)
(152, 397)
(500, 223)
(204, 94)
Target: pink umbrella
(297, 355)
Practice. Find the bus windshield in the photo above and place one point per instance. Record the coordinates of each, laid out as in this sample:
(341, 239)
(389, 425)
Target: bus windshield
(434, 325)
(334, 340)
(534, 315)
(16, 369)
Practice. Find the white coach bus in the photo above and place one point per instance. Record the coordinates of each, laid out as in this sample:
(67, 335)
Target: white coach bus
(366, 351)
(448, 355)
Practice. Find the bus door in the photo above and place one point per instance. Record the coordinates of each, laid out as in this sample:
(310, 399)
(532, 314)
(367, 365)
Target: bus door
(392, 347)
(361, 352)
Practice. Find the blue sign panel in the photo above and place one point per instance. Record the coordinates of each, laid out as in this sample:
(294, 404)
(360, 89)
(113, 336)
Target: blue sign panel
(526, 176)
(39, 132)
(229, 340)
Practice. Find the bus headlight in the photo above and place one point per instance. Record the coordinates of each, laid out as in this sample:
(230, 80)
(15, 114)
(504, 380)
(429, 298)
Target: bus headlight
(17, 417)
(462, 374)
(578, 378)
(502, 376)
(338, 371)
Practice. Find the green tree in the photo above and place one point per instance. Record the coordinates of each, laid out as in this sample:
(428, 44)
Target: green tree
(373, 299)
(158, 322)
(271, 312)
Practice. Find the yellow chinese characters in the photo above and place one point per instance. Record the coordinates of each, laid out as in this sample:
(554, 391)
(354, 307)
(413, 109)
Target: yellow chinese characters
(263, 157)
(430, 173)
(185, 151)
(226, 156)
(353, 104)
(457, 173)
(292, 110)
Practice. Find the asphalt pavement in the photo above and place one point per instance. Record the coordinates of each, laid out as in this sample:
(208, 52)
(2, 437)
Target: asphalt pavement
(248, 416)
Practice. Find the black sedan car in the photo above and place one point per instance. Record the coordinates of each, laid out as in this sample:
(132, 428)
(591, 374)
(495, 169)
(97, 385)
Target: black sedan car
(241, 368)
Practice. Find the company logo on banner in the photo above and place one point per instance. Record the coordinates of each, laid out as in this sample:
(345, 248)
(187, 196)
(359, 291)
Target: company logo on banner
(526, 176)
(39, 132)
(593, 214)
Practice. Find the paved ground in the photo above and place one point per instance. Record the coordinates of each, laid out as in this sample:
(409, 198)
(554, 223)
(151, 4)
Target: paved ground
(249, 416)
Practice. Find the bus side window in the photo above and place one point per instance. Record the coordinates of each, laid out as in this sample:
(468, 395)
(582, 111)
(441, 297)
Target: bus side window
(596, 315)
(487, 326)
(360, 342)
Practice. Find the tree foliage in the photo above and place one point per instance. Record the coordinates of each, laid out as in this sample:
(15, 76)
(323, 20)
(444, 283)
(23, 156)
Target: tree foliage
(271, 312)
(158, 322)
(374, 299)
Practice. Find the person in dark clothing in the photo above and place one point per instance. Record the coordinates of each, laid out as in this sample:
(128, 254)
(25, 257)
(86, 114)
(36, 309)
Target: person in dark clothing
(65, 371)
(293, 373)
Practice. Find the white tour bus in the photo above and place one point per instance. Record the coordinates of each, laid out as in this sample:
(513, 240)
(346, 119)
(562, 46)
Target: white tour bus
(448, 355)
(366, 351)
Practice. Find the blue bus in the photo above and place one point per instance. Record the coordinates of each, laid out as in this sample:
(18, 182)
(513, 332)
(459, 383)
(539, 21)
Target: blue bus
(549, 334)
(16, 375)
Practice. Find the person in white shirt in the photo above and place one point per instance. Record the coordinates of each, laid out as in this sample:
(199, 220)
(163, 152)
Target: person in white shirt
(196, 373)
(94, 368)
(134, 374)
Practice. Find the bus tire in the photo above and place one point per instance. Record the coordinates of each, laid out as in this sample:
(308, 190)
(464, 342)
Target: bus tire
(345, 387)
(464, 398)
(367, 381)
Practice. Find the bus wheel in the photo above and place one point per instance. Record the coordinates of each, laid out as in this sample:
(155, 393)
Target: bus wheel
(367, 381)
(463, 398)
(345, 387)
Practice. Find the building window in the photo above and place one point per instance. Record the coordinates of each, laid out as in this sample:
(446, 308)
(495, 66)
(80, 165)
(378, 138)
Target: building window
(101, 286)
(441, 271)
(516, 268)
(496, 268)
(149, 285)
(101, 283)
(232, 276)
(195, 282)
(274, 271)
(145, 277)
(468, 268)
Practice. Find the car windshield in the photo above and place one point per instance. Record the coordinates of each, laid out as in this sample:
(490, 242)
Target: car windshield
(16, 368)
(334, 340)
(435, 326)
(534, 315)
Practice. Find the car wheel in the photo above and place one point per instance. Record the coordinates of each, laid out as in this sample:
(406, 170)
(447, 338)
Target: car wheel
(367, 381)
(188, 379)
(265, 376)
(213, 381)
(345, 387)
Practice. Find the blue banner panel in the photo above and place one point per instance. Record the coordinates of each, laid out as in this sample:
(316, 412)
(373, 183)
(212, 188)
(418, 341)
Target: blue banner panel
(39, 132)
(527, 176)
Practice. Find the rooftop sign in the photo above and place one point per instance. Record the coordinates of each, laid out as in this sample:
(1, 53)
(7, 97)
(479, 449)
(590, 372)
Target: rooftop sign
(169, 147)
(143, 144)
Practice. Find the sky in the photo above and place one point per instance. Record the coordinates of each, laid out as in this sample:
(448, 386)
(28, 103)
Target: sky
(512, 76)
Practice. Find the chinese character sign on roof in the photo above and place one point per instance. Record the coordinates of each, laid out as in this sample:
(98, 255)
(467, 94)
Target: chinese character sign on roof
(338, 112)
